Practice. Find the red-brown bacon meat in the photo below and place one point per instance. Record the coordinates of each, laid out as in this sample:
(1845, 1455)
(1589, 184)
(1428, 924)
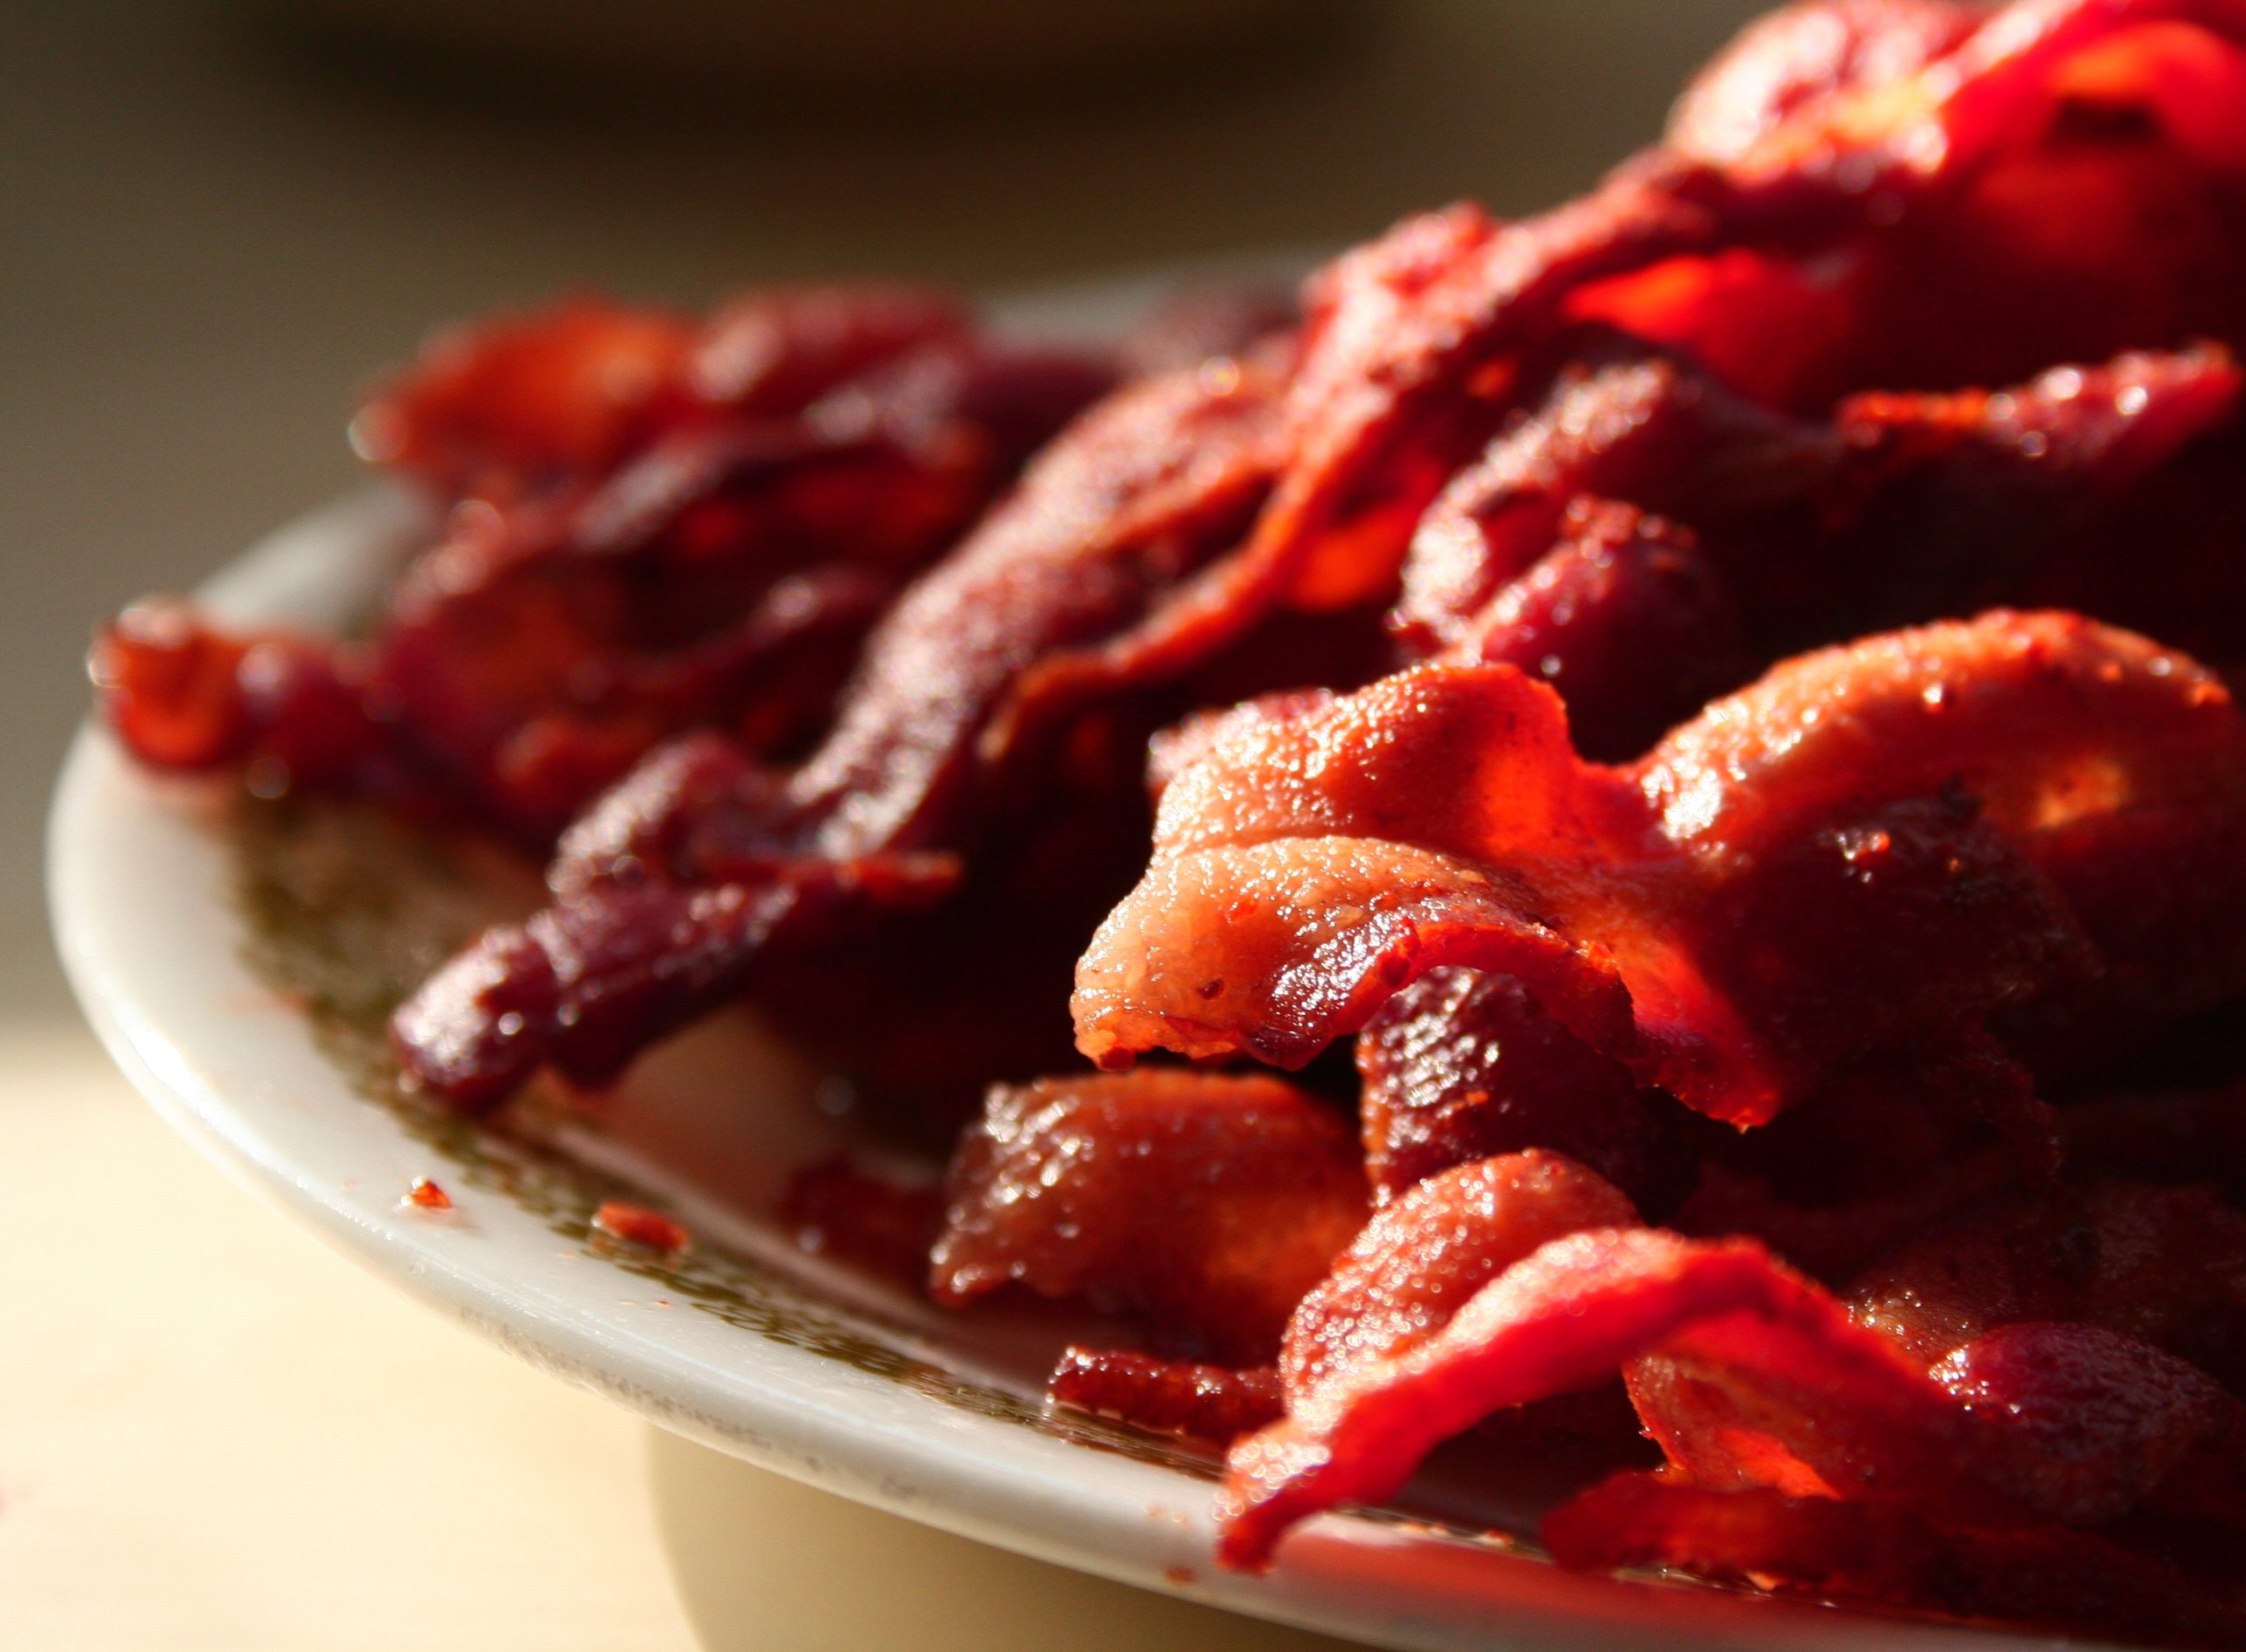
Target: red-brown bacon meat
(1723, 689)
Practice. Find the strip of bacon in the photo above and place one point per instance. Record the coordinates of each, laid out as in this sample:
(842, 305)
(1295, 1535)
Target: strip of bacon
(1305, 870)
(1917, 505)
(1749, 1374)
(1461, 1065)
(1830, 1550)
(1209, 1205)
(1216, 1403)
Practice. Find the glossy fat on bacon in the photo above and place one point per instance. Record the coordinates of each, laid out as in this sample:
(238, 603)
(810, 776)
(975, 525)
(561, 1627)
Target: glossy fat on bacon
(1208, 1204)
(1890, 792)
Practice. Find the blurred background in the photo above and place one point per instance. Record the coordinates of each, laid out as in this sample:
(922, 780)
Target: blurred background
(216, 222)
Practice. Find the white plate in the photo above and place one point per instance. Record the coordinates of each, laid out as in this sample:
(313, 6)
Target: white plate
(239, 973)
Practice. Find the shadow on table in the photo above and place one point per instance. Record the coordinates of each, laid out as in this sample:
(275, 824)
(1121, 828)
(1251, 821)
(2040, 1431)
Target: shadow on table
(765, 1565)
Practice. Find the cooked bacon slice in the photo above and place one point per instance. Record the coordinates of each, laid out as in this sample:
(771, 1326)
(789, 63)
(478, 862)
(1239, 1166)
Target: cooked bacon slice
(1306, 871)
(182, 694)
(1833, 1550)
(1748, 1375)
(1615, 423)
(2163, 1265)
(1216, 1403)
(1918, 505)
(1625, 618)
(568, 393)
(777, 350)
(1803, 53)
(1461, 1066)
(1421, 1258)
(582, 985)
(1207, 1204)
(1563, 1317)
(524, 401)
(1101, 527)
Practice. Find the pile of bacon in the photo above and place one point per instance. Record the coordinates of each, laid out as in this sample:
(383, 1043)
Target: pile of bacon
(1648, 683)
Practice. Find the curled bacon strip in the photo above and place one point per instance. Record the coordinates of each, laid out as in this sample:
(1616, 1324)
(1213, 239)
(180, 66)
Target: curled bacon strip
(1306, 871)
(1748, 1375)
(1099, 528)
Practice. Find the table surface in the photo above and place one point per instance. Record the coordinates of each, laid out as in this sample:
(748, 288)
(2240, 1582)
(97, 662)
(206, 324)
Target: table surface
(213, 1434)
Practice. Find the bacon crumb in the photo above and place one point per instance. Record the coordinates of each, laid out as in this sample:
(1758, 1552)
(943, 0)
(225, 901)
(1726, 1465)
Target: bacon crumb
(637, 1225)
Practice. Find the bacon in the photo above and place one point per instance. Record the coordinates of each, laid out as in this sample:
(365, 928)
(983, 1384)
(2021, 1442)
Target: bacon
(1421, 1258)
(184, 695)
(825, 670)
(1461, 1065)
(1920, 505)
(1644, 429)
(1562, 1318)
(1625, 618)
(1804, 53)
(1877, 1161)
(583, 984)
(1216, 1403)
(1399, 331)
(1407, 362)
(1209, 1204)
(1748, 1375)
(1095, 535)
(1305, 871)
(519, 402)
(1829, 1549)
(778, 350)
(2106, 1256)
(635, 571)
(2055, 188)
